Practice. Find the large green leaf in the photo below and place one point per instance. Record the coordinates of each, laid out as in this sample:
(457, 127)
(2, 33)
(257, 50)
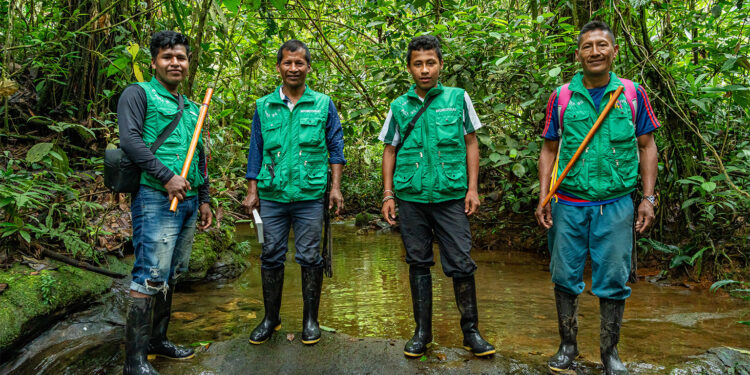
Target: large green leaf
(37, 152)
(280, 5)
(232, 5)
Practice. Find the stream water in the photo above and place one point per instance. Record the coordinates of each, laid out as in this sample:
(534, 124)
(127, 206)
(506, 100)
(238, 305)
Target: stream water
(369, 296)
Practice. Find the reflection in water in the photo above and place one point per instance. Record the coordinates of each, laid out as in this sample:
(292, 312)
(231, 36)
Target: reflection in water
(369, 296)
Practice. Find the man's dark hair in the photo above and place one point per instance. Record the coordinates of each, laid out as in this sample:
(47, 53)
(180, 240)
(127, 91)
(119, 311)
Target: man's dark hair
(167, 39)
(596, 25)
(424, 43)
(292, 46)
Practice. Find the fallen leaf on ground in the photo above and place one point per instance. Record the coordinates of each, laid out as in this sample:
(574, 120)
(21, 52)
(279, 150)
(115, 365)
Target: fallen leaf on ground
(3, 286)
(441, 357)
(290, 336)
(327, 329)
(34, 273)
(252, 316)
(38, 265)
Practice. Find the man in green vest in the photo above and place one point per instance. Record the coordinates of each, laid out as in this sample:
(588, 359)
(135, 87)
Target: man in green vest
(162, 239)
(433, 177)
(296, 135)
(592, 212)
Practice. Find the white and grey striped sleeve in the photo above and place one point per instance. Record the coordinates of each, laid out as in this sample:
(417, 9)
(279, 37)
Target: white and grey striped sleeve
(390, 134)
(471, 120)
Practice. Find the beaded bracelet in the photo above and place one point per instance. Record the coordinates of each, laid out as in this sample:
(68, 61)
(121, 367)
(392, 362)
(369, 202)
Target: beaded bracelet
(386, 199)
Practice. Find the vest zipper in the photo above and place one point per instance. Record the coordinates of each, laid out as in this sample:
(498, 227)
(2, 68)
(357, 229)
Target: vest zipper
(428, 149)
(289, 147)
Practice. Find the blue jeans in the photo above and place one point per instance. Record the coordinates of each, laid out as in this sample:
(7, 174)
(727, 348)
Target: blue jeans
(605, 232)
(306, 217)
(162, 239)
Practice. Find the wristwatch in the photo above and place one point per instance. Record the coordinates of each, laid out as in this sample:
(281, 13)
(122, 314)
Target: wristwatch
(651, 199)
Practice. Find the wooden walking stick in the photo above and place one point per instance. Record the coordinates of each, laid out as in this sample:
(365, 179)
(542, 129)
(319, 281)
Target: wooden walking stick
(194, 142)
(599, 121)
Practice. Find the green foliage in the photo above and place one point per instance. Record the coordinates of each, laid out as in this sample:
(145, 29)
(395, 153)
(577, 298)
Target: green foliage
(740, 289)
(39, 187)
(692, 58)
(47, 287)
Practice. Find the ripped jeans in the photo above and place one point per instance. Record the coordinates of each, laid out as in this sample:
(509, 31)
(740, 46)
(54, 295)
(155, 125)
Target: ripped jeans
(162, 239)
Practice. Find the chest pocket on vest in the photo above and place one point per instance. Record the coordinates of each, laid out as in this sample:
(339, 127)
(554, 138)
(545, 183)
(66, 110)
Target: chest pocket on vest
(311, 130)
(575, 127)
(174, 143)
(621, 127)
(447, 128)
(272, 137)
(623, 157)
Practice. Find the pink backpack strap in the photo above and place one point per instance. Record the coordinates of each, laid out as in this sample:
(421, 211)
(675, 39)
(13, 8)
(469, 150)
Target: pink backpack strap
(631, 96)
(563, 98)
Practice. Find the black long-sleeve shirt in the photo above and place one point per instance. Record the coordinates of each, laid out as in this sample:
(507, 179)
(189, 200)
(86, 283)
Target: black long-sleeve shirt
(131, 114)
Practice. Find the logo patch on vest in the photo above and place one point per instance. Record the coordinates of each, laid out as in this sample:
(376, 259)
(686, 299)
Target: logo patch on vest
(445, 110)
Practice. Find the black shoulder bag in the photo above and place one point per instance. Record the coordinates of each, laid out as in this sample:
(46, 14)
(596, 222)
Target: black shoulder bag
(413, 121)
(121, 175)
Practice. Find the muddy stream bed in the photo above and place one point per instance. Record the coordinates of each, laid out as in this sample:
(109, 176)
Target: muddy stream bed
(367, 302)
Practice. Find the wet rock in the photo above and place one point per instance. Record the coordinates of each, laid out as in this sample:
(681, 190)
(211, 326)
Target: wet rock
(362, 219)
(33, 303)
(216, 256)
(87, 342)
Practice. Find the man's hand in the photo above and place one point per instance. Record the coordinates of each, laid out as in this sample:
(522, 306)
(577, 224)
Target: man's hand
(544, 215)
(177, 187)
(250, 202)
(471, 202)
(335, 197)
(389, 211)
(206, 216)
(645, 216)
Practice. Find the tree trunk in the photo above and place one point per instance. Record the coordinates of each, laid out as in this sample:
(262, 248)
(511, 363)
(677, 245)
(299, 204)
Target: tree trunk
(196, 49)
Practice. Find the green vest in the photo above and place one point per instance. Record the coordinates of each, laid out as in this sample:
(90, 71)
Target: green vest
(608, 167)
(161, 109)
(295, 156)
(431, 166)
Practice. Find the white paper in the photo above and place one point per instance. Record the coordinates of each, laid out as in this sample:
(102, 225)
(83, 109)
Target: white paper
(258, 225)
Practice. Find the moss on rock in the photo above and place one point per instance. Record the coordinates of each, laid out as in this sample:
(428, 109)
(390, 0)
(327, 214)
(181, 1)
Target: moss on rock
(31, 299)
(215, 255)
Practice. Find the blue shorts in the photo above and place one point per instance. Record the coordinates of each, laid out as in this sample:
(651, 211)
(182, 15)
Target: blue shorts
(306, 217)
(605, 232)
(162, 239)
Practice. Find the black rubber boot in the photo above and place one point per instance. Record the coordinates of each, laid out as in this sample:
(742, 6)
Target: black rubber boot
(420, 281)
(611, 314)
(312, 282)
(466, 299)
(159, 345)
(567, 326)
(273, 281)
(137, 332)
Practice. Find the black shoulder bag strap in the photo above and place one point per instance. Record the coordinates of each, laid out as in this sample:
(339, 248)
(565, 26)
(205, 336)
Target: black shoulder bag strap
(170, 128)
(413, 122)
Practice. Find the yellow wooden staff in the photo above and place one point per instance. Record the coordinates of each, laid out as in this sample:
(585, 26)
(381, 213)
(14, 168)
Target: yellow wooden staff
(194, 143)
(599, 121)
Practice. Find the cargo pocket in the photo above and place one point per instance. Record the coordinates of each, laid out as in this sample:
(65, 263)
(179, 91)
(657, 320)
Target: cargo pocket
(315, 178)
(448, 129)
(266, 180)
(623, 158)
(408, 178)
(452, 177)
(311, 131)
(272, 137)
